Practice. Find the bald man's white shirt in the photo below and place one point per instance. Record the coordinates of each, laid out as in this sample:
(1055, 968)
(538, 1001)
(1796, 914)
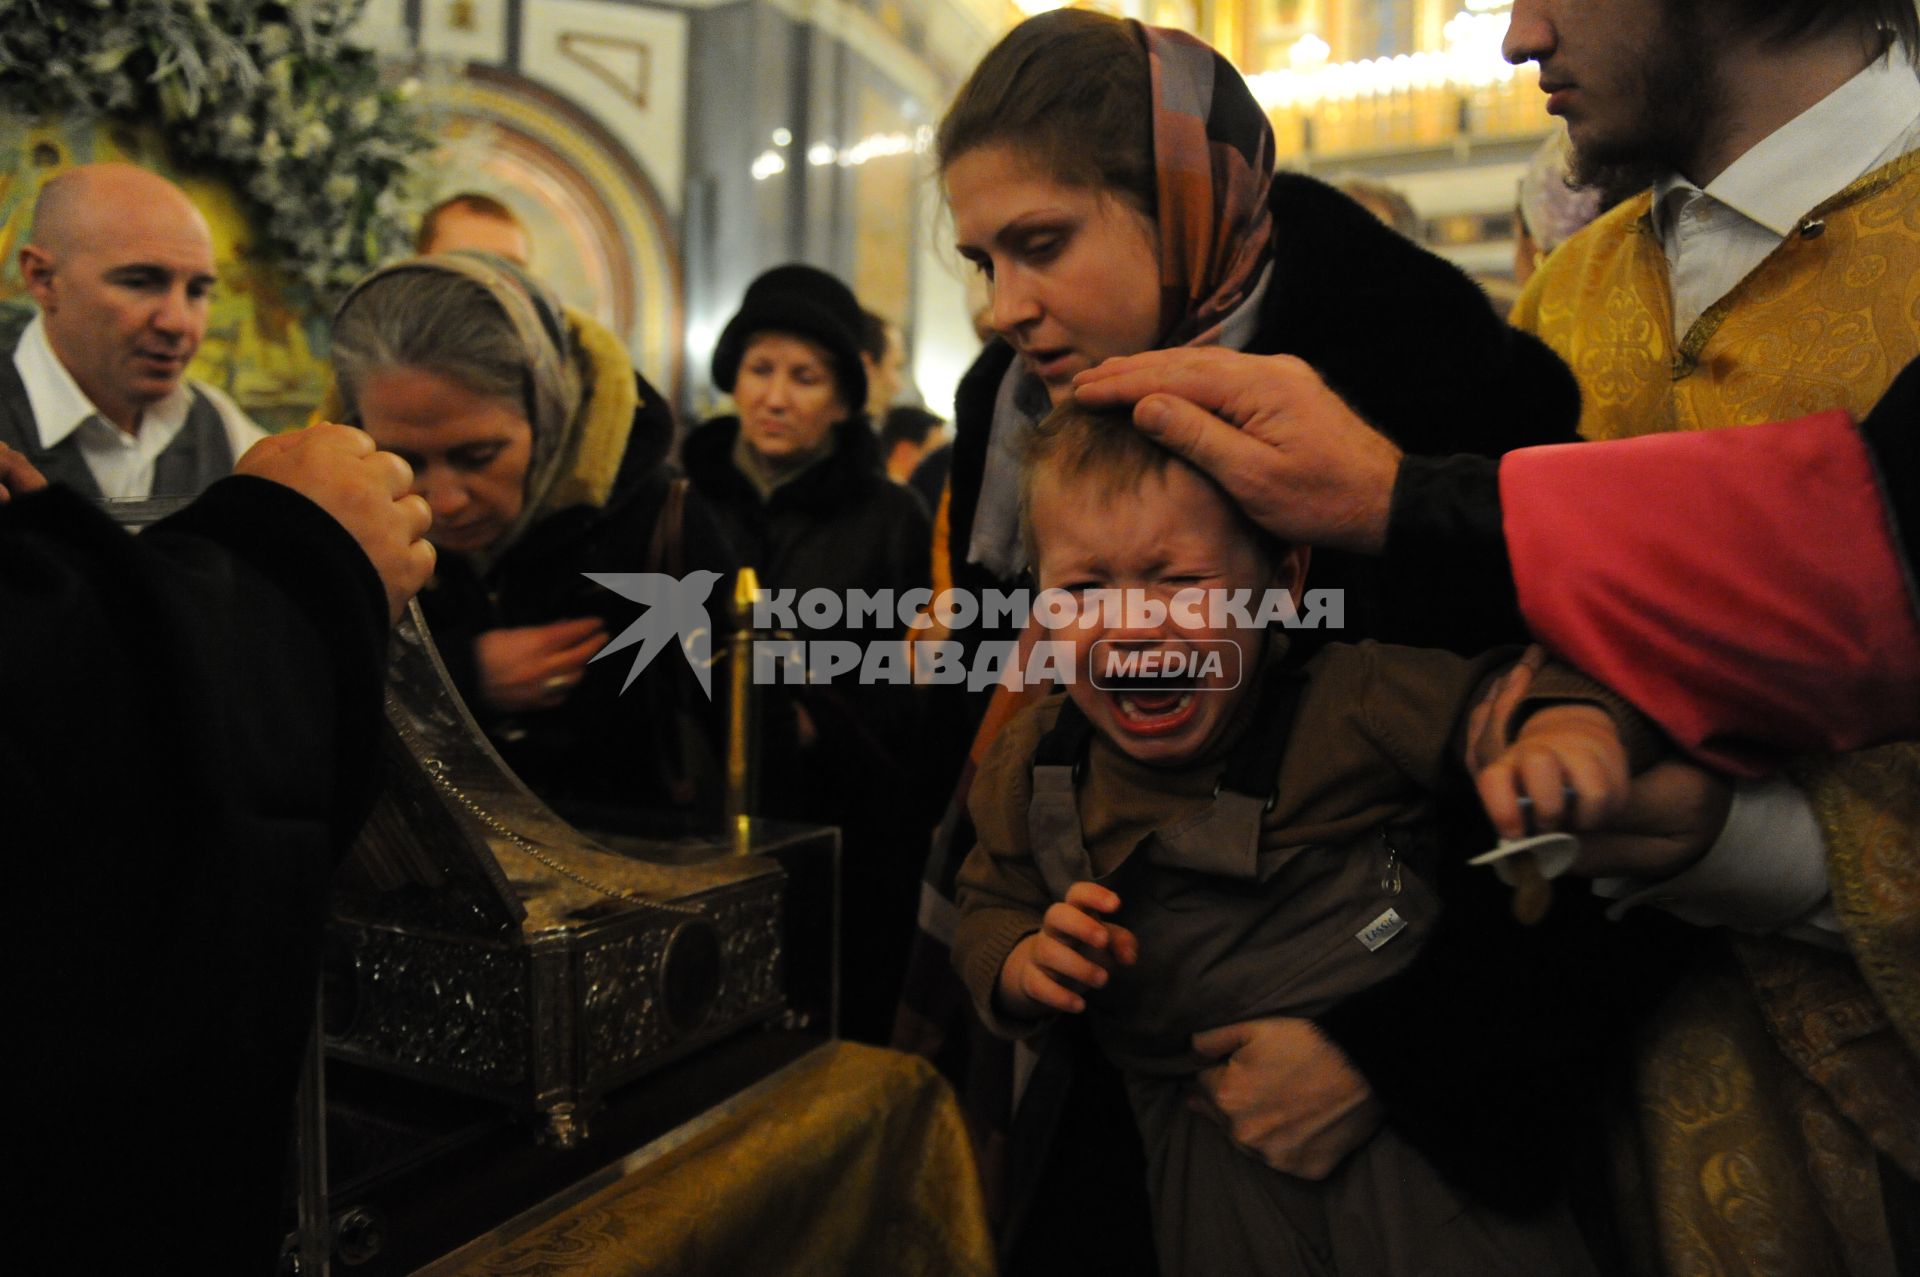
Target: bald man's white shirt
(122, 464)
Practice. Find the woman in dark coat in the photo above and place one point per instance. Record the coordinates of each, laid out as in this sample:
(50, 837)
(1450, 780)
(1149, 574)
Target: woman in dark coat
(797, 480)
(541, 452)
(1115, 185)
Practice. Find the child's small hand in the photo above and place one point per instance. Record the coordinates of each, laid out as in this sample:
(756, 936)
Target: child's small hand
(1562, 752)
(1073, 950)
(1487, 723)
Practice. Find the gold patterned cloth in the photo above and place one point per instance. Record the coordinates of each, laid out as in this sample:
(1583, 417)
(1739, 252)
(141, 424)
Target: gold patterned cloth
(1774, 1085)
(1824, 322)
(855, 1161)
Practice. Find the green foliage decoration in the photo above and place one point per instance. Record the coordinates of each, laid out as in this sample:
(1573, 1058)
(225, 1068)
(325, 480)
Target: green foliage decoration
(271, 97)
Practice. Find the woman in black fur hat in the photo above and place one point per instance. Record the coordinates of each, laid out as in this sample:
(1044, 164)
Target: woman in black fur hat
(797, 479)
(796, 474)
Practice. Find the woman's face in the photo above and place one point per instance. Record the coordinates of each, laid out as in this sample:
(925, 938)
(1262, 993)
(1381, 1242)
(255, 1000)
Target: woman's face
(788, 397)
(1074, 271)
(469, 452)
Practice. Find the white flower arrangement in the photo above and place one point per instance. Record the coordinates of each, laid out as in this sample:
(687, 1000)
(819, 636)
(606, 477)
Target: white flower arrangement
(269, 95)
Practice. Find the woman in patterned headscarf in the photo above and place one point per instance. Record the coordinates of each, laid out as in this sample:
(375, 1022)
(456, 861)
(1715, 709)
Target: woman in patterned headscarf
(1114, 183)
(541, 453)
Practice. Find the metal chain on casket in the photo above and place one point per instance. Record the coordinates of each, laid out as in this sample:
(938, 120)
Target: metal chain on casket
(438, 769)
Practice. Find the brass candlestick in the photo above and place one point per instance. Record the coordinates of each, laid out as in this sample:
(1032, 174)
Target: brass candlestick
(741, 745)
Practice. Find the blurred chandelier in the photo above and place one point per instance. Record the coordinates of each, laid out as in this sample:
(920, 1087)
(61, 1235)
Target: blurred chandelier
(1470, 60)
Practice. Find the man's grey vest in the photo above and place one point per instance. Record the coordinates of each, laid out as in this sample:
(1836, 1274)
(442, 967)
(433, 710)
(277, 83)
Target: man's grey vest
(198, 455)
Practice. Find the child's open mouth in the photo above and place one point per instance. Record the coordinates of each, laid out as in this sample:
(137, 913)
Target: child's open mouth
(1144, 712)
(1155, 691)
(1152, 691)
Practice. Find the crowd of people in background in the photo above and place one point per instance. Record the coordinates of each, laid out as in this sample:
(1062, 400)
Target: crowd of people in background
(1207, 961)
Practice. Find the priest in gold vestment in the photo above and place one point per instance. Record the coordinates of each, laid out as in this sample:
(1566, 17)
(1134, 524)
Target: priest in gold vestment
(1771, 271)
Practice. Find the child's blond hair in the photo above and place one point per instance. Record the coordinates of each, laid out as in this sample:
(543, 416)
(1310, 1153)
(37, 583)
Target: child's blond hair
(1100, 449)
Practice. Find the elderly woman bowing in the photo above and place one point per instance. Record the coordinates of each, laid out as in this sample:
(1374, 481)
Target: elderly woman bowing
(541, 454)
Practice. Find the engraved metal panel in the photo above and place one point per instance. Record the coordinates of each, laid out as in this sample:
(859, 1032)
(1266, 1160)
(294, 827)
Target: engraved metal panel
(438, 1006)
(749, 928)
(621, 1019)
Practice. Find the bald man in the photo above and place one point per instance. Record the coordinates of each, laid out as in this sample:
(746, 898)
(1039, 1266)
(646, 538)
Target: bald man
(476, 223)
(96, 395)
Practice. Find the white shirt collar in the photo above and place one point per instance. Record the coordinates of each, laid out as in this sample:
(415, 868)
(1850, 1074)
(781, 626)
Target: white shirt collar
(1818, 152)
(60, 407)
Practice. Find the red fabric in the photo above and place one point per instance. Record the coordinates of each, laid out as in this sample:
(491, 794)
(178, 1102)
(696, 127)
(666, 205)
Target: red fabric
(1740, 586)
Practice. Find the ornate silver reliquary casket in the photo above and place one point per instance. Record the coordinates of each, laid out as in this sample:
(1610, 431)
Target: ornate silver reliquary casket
(482, 943)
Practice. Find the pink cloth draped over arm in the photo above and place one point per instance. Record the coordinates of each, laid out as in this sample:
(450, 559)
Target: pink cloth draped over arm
(1741, 586)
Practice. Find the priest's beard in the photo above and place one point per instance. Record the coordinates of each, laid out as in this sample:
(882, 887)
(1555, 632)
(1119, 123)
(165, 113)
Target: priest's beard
(1680, 105)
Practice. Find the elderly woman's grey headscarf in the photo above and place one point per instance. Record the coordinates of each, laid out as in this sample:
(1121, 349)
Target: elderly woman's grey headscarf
(420, 314)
